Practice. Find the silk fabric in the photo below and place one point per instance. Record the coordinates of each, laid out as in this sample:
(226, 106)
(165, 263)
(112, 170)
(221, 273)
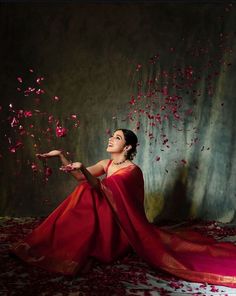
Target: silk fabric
(105, 224)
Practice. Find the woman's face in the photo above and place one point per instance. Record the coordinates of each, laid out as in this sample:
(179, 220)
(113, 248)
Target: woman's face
(116, 143)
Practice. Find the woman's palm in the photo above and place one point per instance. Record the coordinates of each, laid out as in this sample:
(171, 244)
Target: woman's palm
(52, 153)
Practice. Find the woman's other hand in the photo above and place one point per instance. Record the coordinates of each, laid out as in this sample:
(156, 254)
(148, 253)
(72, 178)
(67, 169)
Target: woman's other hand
(52, 153)
(71, 167)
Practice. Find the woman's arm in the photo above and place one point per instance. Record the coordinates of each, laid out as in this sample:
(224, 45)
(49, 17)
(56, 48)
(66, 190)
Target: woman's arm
(58, 153)
(89, 173)
(77, 169)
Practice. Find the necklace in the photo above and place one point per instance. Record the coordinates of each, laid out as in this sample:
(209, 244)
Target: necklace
(117, 163)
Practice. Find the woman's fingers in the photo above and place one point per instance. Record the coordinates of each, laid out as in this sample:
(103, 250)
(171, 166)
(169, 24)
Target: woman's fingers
(67, 168)
(49, 154)
(41, 155)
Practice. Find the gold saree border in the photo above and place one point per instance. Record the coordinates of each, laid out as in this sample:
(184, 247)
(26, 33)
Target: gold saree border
(202, 277)
(67, 267)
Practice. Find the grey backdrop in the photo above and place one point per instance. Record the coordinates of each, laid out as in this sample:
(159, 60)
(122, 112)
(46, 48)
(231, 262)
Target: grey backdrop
(88, 55)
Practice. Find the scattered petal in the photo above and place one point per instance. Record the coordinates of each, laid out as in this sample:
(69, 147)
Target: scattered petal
(14, 148)
(34, 167)
(56, 98)
(61, 131)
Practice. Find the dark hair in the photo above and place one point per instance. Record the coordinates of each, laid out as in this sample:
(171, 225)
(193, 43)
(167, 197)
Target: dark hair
(130, 139)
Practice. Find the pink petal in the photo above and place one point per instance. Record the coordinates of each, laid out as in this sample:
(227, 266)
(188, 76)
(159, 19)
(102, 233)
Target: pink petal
(61, 131)
(108, 131)
(50, 119)
(73, 116)
(34, 167)
(14, 122)
(138, 67)
(28, 114)
(165, 91)
(47, 172)
(14, 148)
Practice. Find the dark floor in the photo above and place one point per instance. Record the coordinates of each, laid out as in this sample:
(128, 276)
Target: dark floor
(130, 276)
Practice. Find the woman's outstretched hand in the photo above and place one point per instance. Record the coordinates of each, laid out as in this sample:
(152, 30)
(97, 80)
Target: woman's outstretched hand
(71, 167)
(52, 153)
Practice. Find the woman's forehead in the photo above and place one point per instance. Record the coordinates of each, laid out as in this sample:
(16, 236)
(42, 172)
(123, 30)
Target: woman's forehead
(119, 133)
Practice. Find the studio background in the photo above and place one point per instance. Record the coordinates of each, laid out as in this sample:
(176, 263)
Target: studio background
(92, 57)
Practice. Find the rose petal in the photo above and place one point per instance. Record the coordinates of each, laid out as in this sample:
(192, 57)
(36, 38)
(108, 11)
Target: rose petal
(27, 114)
(14, 122)
(14, 148)
(73, 116)
(47, 172)
(61, 131)
(34, 167)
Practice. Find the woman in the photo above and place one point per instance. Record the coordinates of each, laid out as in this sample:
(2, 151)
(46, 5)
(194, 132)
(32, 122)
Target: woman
(102, 220)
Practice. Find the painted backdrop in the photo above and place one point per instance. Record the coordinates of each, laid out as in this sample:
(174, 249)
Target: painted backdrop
(72, 73)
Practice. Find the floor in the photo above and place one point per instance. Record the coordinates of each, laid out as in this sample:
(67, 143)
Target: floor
(130, 276)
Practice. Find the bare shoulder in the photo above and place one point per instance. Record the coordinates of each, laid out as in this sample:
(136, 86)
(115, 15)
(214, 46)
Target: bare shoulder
(104, 163)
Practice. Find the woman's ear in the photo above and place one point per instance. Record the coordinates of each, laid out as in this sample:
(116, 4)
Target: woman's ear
(128, 147)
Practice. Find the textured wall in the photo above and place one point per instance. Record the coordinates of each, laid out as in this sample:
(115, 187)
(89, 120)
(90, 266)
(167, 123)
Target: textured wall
(88, 55)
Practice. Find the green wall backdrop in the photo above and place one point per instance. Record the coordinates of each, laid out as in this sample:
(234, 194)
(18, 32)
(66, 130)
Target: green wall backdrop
(95, 57)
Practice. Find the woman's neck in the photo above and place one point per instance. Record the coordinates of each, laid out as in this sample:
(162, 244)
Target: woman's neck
(118, 158)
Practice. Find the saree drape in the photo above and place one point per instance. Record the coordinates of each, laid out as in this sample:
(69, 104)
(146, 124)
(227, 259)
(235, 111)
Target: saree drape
(105, 224)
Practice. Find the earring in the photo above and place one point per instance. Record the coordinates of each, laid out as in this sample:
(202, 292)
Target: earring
(126, 154)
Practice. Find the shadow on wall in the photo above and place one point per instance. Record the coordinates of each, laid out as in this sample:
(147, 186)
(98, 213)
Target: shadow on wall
(172, 207)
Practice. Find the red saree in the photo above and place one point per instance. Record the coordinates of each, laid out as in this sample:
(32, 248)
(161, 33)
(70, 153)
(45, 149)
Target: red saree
(104, 224)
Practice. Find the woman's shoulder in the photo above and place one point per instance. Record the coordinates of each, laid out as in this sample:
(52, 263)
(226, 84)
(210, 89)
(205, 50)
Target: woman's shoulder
(105, 163)
(136, 167)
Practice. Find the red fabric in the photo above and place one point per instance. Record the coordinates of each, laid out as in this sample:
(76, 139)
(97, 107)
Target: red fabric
(104, 224)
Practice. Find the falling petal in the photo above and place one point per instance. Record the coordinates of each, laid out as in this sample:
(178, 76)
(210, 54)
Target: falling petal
(132, 101)
(28, 114)
(183, 161)
(50, 119)
(165, 91)
(39, 91)
(47, 172)
(73, 116)
(14, 122)
(108, 131)
(34, 167)
(138, 67)
(61, 131)
(14, 148)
